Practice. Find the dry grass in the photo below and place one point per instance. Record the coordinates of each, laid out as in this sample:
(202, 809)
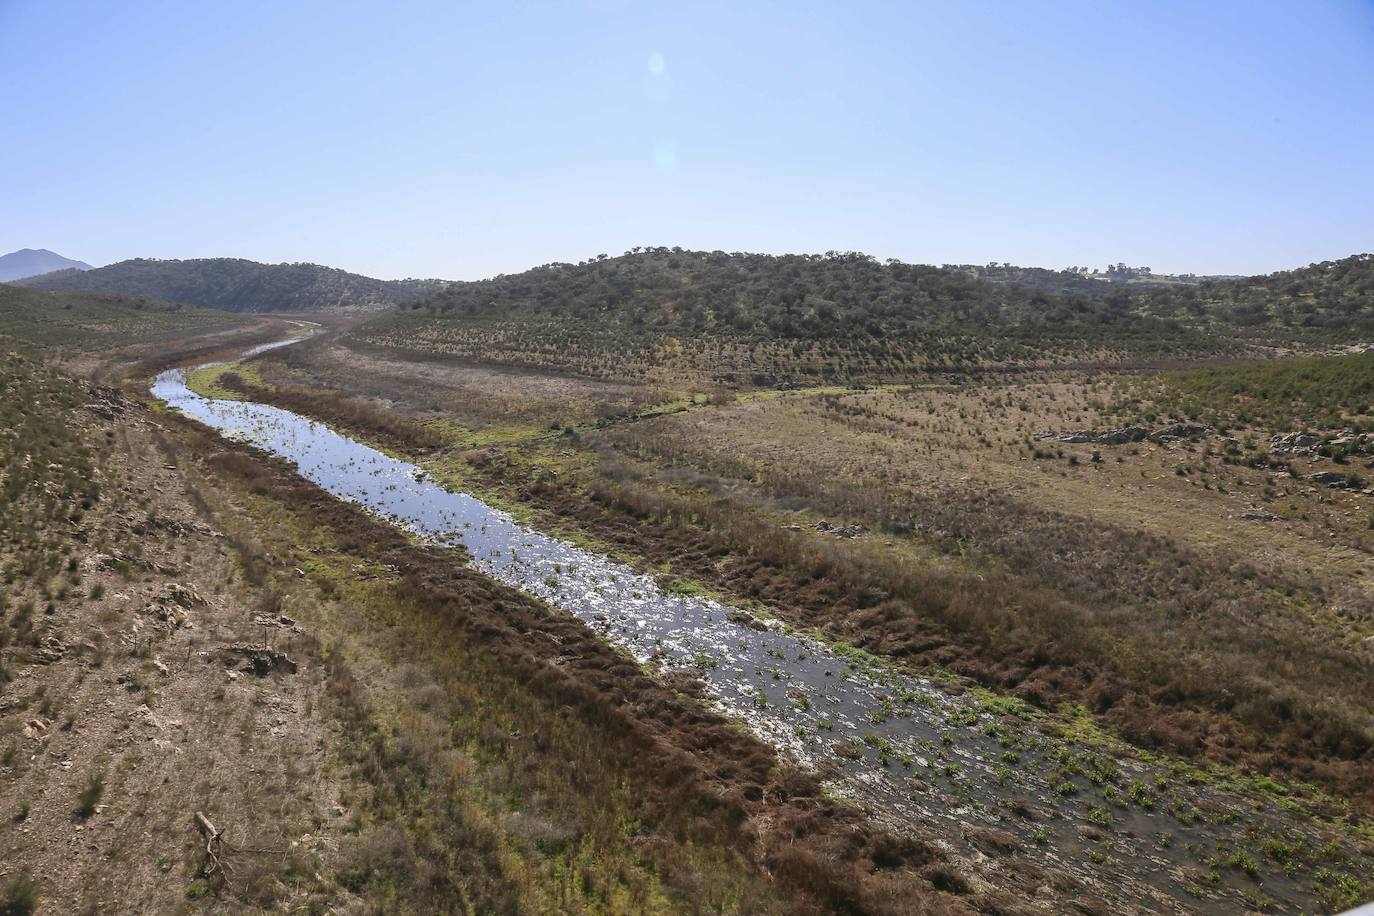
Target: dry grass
(1125, 578)
(1122, 563)
(497, 740)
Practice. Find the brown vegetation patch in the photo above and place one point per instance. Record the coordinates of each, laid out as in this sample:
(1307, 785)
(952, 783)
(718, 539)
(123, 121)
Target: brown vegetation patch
(732, 789)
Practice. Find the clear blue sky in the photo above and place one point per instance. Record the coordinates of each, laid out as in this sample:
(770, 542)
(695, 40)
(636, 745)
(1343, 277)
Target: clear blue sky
(465, 139)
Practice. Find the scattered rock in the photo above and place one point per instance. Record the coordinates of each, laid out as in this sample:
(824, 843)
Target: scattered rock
(840, 531)
(260, 661)
(104, 562)
(1180, 431)
(50, 650)
(1307, 443)
(1124, 435)
(179, 595)
(1127, 434)
(105, 402)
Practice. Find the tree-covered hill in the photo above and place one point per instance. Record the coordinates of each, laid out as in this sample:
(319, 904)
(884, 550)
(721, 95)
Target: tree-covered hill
(767, 320)
(1330, 296)
(237, 285)
(851, 294)
(846, 316)
(802, 296)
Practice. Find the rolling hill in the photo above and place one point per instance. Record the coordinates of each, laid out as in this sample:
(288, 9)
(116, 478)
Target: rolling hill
(766, 320)
(237, 285)
(851, 294)
(1329, 296)
(80, 320)
(845, 316)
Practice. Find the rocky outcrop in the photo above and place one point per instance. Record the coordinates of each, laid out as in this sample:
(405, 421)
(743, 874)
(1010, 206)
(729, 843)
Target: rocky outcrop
(1180, 431)
(1330, 442)
(1123, 435)
(258, 660)
(1330, 479)
(840, 531)
(1128, 434)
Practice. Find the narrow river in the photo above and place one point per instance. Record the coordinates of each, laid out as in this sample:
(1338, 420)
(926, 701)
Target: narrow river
(903, 748)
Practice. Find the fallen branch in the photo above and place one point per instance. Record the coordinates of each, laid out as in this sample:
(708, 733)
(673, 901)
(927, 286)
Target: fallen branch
(213, 843)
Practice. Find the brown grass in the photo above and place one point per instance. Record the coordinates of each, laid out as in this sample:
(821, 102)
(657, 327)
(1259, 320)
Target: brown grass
(564, 717)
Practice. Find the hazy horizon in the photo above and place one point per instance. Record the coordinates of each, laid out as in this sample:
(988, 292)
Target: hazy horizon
(460, 142)
(613, 254)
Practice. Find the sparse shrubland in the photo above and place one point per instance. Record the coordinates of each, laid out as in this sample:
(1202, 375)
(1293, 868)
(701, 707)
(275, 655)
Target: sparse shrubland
(81, 321)
(1276, 396)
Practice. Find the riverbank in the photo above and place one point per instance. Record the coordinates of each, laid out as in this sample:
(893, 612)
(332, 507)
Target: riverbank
(968, 775)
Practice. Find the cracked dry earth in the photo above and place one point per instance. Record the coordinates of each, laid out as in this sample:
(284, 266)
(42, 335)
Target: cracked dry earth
(148, 698)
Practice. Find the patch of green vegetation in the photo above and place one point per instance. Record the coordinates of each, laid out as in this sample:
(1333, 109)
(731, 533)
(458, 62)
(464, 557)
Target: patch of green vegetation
(90, 795)
(1279, 395)
(998, 705)
(687, 587)
(47, 480)
(84, 321)
(205, 380)
(19, 895)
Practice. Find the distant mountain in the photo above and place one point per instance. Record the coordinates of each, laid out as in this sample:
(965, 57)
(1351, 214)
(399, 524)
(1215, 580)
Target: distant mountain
(30, 262)
(237, 285)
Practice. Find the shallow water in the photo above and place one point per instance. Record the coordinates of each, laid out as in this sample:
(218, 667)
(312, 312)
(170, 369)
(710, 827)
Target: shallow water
(903, 748)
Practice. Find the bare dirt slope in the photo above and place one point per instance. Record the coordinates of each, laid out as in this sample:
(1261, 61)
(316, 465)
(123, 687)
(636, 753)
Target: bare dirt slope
(139, 703)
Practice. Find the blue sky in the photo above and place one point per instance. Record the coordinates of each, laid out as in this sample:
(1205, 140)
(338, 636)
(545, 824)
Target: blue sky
(462, 140)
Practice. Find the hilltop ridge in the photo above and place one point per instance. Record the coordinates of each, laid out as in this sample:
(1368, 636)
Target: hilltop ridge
(240, 285)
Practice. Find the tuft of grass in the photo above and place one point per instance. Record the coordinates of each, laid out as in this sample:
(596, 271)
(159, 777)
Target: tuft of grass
(90, 795)
(19, 895)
